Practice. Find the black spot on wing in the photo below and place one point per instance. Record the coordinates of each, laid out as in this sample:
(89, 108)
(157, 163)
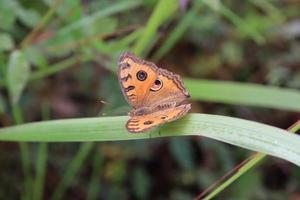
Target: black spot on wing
(148, 122)
(131, 87)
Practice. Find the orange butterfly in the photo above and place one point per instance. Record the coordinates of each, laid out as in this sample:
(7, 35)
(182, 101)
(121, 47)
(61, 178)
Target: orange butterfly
(155, 94)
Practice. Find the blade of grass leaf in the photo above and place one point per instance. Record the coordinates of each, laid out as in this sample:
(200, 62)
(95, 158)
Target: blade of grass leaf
(41, 166)
(72, 170)
(110, 10)
(94, 184)
(163, 11)
(237, 171)
(25, 158)
(244, 94)
(243, 133)
(17, 75)
(236, 20)
(41, 163)
(41, 23)
(55, 68)
(175, 35)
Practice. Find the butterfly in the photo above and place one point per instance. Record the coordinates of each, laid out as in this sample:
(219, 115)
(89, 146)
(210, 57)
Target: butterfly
(155, 94)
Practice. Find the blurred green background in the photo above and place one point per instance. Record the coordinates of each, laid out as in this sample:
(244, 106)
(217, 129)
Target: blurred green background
(58, 59)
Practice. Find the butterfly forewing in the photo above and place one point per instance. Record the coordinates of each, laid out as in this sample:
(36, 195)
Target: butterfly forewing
(136, 78)
(171, 90)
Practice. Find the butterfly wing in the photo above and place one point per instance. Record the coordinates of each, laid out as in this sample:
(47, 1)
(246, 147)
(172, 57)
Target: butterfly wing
(159, 86)
(143, 123)
(167, 88)
(136, 76)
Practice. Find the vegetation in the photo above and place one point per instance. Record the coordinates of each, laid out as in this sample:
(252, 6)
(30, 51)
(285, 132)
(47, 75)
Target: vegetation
(237, 58)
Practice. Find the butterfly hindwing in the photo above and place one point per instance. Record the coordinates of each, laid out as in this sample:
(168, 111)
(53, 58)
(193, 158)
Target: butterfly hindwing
(143, 123)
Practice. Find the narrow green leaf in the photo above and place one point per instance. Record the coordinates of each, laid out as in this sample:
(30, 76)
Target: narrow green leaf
(72, 170)
(7, 14)
(41, 166)
(244, 94)
(29, 17)
(6, 42)
(110, 10)
(35, 56)
(163, 11)
(94, 183)
(2, 104)
(17, 75)
(247, 134)
(175, 35)
(240, 23)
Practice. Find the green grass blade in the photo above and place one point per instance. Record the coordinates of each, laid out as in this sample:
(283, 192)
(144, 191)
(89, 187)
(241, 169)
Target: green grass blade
(93, 189)
(44, 20)
(247, 167)
(163, 10)
(41, 166)
(55, 68)
(25, 156)
(110, 10)
(236, 20)
(175, 35)
(243, 133)
(244, 94)
(239, 170)
(72, 170)
(25, 160)
(17, 75)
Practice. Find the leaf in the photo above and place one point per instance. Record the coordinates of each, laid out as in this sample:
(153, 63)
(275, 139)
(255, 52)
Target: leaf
(176, 34)
(243, 133)
(7, 14)
(35, 56)
(244, 94)
(163, 11)
(17, 75)
(29, 17)
(2, 104)
(6, 42)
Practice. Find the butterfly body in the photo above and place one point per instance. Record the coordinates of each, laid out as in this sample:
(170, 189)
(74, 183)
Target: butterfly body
(155, 94)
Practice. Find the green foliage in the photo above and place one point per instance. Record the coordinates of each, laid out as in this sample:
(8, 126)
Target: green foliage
(61, 55)
(17, 75)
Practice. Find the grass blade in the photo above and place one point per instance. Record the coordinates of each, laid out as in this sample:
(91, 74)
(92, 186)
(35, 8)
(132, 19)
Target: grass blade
(110, 10)
(244, 94)
(41, 166)
(17, 75)
(175, 35)
(163, 11)
(237, 171)
(243, 133)
(72, 170)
